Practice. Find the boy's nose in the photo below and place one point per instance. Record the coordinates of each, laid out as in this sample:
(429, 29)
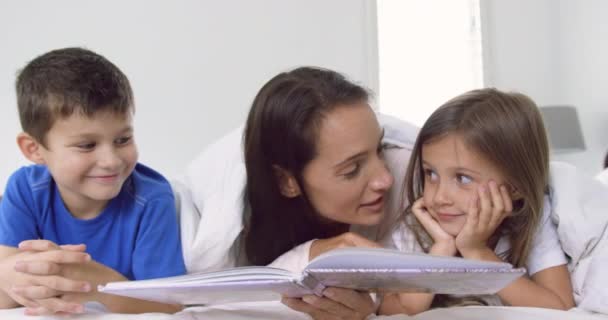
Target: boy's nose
(109, 159)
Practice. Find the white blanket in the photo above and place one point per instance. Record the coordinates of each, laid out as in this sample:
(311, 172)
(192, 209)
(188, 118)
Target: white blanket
(276, 311)
(580, 210)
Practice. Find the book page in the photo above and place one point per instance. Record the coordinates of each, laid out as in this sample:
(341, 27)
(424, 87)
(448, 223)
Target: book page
(366, 258)
(209, 294)
(447, 281)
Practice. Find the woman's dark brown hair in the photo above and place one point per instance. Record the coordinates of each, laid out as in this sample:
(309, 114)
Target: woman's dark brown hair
(281, 132)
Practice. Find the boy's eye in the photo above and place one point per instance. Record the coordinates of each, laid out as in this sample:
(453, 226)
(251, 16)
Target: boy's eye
(463, 179)
(123, 140)
(86, 146)
(353, 173)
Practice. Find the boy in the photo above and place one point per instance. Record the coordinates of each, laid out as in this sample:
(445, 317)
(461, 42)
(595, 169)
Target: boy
(89, 212)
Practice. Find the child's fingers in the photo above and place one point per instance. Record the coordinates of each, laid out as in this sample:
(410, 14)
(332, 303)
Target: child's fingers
(506, 198)
(74, 247)
(63, 284)
(22, 300)
(427, 222)
(485, 207)
(472, 214)
(35, 292)
(60, 256)
(498, 206)
(37, 267)
(56, 305)
(37, 245)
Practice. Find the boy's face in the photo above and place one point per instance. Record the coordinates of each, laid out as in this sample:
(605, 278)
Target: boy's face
(90, 158)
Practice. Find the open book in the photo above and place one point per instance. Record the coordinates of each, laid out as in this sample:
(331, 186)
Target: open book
(377, 270)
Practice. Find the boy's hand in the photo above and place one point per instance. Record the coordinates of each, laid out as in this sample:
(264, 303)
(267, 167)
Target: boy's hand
(44, 280)
(486, 212)
(444, 244)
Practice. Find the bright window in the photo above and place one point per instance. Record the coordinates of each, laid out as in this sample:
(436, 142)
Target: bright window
(429, 51)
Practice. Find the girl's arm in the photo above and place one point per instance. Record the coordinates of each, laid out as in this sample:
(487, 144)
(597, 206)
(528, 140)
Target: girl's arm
(548, 288)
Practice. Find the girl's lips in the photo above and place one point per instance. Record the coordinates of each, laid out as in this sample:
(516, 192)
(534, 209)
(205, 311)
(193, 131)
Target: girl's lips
(449, 216)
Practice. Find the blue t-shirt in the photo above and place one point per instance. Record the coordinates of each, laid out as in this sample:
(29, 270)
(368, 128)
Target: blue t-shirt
(137, 234)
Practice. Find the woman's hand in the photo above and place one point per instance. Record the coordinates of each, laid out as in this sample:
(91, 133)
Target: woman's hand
(345, 240)
(486, 212)
(335, 304)
(443, 243)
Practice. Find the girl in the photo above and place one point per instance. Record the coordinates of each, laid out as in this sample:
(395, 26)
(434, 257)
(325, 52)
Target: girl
(477, 183)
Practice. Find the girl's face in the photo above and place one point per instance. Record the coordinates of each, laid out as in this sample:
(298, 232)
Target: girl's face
(347, 181)
(453, 172)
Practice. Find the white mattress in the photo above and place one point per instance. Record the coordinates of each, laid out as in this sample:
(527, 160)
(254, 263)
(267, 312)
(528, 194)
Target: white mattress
(275, 310)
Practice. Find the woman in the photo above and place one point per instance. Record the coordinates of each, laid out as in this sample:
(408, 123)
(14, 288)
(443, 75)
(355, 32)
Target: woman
(314, 157)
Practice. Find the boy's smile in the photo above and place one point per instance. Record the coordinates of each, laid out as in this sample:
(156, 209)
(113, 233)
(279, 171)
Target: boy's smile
(90, 158)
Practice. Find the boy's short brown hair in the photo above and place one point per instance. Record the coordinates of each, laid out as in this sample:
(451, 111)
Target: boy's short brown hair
(62, 82)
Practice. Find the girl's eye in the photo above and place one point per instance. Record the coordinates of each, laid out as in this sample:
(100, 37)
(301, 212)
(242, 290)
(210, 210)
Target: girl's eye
(123, 140)
(353, 173)
(430, 175)
(463, 179)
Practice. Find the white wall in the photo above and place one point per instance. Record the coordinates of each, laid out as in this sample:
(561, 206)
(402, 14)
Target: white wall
(554, 51)
(195, 66)
(583, 44)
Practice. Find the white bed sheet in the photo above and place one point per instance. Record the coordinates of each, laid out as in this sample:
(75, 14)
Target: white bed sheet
(275, 310)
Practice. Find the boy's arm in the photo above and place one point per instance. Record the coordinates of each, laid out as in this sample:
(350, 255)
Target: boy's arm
(92, 272)
(97, 274)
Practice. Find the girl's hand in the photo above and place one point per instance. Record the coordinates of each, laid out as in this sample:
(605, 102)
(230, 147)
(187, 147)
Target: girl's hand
(444, 244)
(336, 304)
(345, 240)
(487, 210)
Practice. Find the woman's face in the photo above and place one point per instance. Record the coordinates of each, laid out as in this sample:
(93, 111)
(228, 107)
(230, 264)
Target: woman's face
(347, 181)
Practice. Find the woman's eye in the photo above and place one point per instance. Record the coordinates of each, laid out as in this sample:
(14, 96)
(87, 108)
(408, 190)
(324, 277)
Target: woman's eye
(463, 179)
(381, 147)
(353, 173)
